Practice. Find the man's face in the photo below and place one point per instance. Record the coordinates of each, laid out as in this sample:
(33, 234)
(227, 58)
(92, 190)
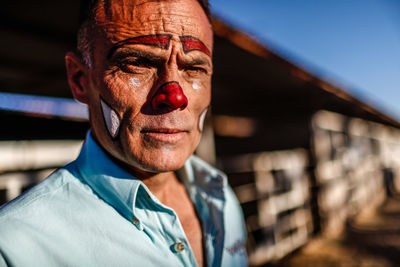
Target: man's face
(150, 82)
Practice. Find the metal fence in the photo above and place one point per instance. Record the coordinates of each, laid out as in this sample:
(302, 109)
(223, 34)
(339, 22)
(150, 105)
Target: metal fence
(357, 163)
(273, 188)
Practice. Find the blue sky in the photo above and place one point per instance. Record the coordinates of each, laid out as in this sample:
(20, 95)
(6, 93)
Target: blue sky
(352, 43)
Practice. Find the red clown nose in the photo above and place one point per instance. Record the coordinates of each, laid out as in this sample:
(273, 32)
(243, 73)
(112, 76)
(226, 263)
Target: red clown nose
(169, 95)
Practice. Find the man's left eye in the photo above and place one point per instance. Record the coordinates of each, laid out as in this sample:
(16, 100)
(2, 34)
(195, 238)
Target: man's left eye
(133, 63)
(136, 63)
(195, 70)
(133, 66)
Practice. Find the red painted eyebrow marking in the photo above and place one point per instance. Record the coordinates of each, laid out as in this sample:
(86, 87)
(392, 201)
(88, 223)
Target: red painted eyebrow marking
(157, 40)
(190, 43)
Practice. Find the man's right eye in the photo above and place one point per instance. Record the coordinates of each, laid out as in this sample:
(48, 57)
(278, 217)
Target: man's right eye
(135, 62)
(133, 65)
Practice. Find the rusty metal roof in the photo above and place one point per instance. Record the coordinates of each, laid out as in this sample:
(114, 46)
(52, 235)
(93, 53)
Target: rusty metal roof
(287, 85)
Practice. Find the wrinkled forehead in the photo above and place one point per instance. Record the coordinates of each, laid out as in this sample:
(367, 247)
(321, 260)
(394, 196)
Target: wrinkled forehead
(121, 19)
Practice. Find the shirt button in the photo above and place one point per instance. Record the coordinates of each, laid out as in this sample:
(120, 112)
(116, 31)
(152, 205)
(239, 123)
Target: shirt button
(179, 246)
(135, 221)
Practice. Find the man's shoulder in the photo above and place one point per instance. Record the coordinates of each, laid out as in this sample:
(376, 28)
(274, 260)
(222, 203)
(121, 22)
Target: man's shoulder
(44, 196)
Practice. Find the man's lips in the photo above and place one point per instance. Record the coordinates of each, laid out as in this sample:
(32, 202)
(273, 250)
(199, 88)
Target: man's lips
(169, 135)
(163, 130)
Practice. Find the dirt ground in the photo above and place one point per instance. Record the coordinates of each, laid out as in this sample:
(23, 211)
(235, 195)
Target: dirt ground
(371, 240)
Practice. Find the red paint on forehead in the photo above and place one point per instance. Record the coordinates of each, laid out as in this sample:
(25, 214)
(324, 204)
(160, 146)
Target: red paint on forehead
(157, 40)
(190, 43)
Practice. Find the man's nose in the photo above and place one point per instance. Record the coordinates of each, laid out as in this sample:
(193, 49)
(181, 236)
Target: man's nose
(169, 96)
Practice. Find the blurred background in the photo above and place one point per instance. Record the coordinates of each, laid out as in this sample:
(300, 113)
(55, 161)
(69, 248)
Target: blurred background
(304, 120)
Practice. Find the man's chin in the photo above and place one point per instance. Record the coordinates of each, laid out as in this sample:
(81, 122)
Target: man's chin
(162, 167)
(147, 167)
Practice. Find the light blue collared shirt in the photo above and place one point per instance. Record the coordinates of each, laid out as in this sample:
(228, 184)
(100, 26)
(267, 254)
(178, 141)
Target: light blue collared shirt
(93, 213)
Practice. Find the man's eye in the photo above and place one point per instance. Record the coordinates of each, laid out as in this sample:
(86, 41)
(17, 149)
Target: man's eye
(136, 63)
(195, 70)
(133, 65)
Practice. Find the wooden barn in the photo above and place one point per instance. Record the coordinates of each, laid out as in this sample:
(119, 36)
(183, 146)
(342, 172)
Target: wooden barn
(302, 154)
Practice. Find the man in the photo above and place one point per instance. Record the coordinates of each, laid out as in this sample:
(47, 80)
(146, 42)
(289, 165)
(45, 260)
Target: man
(135, 196)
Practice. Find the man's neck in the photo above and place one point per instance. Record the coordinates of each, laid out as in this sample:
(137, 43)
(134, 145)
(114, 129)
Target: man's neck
(161, 184)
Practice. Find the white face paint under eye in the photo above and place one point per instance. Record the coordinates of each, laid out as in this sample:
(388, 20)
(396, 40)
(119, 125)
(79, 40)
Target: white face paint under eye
(111, 118)
(196, 85)
(201, 119)
(134, 81)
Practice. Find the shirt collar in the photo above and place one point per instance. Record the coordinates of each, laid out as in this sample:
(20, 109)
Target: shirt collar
(109, 181)
(197, 175)
(119, 188)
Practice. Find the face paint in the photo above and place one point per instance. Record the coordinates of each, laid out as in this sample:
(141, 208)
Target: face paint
(157, 40)
(201, 119)
(190, 43)
(134, 81)
(196, 85)
(111, 119)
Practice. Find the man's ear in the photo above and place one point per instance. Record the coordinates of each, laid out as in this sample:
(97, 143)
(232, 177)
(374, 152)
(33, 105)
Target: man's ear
(77, 77)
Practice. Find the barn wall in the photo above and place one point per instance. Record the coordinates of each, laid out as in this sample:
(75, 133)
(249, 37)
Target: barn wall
(289, 195)
(357, 162)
